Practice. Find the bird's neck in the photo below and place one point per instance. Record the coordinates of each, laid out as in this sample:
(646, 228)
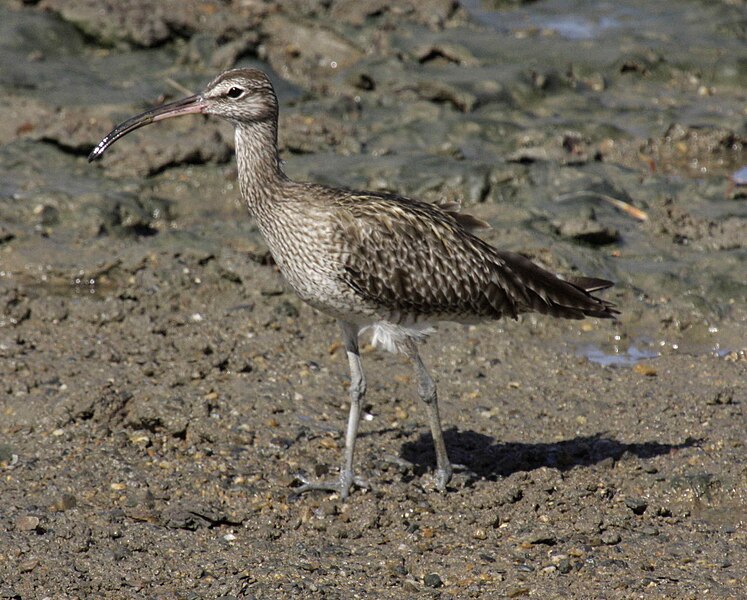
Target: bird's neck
(260, 171)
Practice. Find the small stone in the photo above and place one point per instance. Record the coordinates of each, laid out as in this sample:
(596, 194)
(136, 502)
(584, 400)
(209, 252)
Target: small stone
(140, 439)
(286, 308)
(556, 558)
(637, 505)
(480, 534)
(432, 580)
(646, 370)
(649, 530)
(396, 567)
(588, 231)
(610, 538)
(27, 566)
(549, 569)
(329, 443)
(6, 454)
(64, 502)
(564, 566)
(400, 413)
(27, 523)
(541, 536)
(663, 511)
(525, 568)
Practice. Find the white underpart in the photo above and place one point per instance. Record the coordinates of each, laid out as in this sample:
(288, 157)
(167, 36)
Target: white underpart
(392, 337)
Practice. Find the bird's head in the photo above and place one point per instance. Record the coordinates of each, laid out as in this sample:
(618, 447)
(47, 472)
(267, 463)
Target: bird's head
(238, 95)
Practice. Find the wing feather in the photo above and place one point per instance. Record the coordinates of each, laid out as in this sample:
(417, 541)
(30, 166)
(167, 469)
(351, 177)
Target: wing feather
(420, 260)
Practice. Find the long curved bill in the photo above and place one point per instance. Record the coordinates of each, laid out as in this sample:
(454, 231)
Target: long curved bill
(186, 106)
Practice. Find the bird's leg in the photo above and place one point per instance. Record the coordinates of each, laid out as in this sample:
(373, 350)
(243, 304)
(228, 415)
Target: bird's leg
(357, 391)
(429, 396)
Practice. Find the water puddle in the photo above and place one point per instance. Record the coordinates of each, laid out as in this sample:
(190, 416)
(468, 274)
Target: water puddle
(619, 358)
(98, 285)
(575, 20)
(643, 350)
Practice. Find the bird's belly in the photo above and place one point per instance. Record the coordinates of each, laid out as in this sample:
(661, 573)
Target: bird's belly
(320, 288)
(313, 271)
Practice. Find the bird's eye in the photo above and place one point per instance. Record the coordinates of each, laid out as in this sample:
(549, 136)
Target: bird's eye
(235, 92)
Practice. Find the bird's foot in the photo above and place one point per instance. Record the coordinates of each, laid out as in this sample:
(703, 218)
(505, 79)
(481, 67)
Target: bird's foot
(440, 477)
(341, 486)
(443, 476)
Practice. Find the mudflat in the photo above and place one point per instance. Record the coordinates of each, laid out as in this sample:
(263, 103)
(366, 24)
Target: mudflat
(161, 387)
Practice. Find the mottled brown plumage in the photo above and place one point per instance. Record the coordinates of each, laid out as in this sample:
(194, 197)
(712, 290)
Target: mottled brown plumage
(372, 260)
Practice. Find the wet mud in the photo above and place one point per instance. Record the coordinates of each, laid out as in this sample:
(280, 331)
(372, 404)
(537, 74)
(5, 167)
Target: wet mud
(161, 387)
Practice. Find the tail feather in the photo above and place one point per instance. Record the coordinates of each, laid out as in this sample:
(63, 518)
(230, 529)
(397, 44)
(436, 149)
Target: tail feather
(544, 292)
(589, 284)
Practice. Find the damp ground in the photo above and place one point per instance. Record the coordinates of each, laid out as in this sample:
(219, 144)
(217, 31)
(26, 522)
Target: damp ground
(161, 387)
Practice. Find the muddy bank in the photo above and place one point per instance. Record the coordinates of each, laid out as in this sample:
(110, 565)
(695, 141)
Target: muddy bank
(161, 387)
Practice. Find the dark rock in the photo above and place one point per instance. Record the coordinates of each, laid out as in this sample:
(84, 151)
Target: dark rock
(565, 566)
(541, 536)
(637, 505)
(587, 231)
(285, 308)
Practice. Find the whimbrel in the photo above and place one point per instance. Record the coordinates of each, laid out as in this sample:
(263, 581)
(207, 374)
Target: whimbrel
(372, 260)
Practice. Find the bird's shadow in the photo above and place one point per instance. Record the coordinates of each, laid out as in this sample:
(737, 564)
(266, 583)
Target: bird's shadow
(489, 459)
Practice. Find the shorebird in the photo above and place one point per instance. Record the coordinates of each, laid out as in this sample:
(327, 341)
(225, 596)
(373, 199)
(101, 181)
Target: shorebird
(372, 260)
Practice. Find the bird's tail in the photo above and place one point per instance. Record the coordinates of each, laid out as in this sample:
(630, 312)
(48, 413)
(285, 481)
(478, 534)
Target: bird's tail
(535, 289)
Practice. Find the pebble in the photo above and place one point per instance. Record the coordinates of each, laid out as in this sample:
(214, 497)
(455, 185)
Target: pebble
(565, 566)
(28, 565)
(64, 502)
(432, 580)
(27, 523)
(6, 454)
(645, 370)
(541, 536)
(518, 591)
(637, 505)
(610, 538)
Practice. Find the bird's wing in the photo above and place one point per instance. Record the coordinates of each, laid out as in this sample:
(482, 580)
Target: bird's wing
(417, 259)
